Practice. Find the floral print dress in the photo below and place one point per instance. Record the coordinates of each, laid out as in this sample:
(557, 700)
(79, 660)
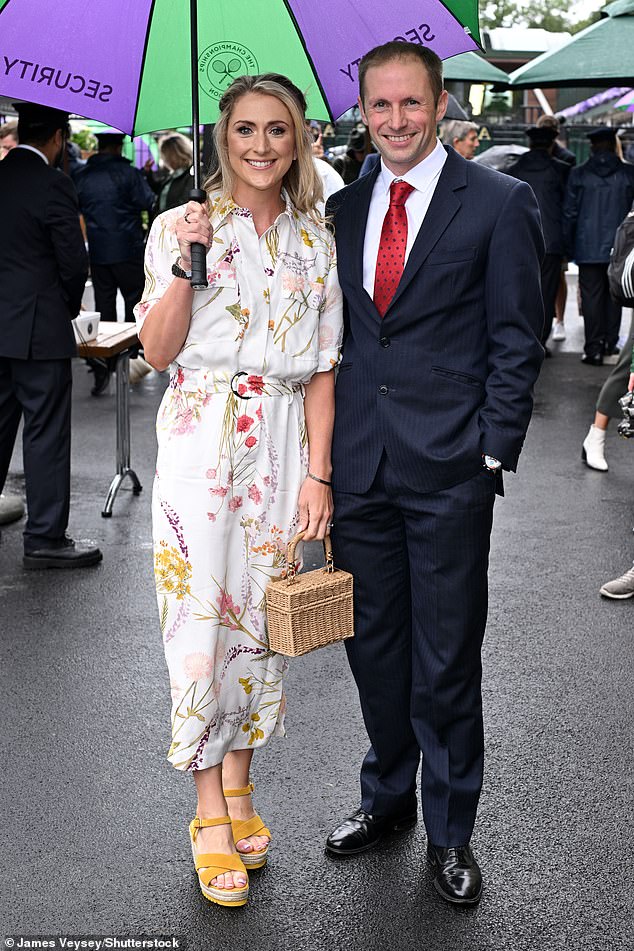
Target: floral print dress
(232, 454)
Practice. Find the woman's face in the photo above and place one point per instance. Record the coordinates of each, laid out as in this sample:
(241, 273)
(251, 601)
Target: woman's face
(261, 144)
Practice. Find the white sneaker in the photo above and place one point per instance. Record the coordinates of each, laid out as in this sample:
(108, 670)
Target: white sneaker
(620, 588)
(593, 451)
(559, 331)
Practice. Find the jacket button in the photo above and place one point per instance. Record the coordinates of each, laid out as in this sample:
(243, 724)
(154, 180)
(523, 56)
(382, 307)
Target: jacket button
(384, 390)
(384, 341)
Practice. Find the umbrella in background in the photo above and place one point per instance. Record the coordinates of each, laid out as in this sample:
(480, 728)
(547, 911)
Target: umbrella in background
(454, 109)
(626, 102)
(600, 55)
(472, 68)
(500, 157)
(156, 64)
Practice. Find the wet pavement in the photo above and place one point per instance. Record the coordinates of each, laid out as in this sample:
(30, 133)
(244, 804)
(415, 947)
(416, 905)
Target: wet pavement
(93, 820)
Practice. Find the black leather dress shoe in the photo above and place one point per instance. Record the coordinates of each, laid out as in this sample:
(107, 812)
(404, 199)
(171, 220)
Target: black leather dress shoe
(592, 360)
(101, 370)
(457, 875)
(362, 831)
(63, 554)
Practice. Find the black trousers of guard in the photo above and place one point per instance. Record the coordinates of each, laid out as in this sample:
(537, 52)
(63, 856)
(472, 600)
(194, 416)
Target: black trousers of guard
(107, 279)
(419, 562)
(39, 391)
(601, 314)
(551, 277)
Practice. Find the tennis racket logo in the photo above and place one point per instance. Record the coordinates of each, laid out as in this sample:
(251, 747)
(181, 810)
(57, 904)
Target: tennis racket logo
(221, 63)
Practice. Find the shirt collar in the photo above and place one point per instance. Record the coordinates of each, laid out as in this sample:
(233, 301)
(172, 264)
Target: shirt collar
(222, 206)
(422, 175)
(32, 148)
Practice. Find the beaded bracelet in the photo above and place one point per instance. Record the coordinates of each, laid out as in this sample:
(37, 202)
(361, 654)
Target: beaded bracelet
(316, 479)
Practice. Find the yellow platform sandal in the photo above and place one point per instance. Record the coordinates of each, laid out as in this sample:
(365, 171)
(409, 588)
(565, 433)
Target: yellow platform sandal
(211, 864)
(243, 828)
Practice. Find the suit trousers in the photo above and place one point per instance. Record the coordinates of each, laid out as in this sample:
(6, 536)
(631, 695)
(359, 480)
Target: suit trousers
(420, 564)
(126, 276)
(601, 314)
(551, 279)
(40, 391)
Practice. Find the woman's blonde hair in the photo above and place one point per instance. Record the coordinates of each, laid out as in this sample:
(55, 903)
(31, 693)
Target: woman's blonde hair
(176, 151)
(302, 182)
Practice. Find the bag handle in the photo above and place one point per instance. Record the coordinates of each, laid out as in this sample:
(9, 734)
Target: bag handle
(291, 571)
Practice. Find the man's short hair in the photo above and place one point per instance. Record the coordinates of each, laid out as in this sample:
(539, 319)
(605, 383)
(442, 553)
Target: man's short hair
(548, 122)
(399, 50)
(9, 128)
(452, 129)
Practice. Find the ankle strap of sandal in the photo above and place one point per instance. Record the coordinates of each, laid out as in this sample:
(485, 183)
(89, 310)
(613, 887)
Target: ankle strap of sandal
(204, 823)
(244, 791)
(199, 823)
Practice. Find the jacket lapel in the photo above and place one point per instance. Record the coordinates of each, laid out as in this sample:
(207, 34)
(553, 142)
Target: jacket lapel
(358, 223)
(442, 209)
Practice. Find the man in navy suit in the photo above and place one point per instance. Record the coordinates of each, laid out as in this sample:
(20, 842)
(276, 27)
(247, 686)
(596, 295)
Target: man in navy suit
(439, 261)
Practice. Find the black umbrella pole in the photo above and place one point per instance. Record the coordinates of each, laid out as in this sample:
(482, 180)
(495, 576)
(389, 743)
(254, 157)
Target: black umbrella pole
(198, 251)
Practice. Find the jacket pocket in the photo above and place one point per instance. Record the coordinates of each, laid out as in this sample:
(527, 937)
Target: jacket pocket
(454, 256)
(458, 376)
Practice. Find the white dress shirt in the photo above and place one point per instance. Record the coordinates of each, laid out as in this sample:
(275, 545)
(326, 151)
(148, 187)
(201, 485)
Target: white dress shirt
(32, 148)
(423, 178)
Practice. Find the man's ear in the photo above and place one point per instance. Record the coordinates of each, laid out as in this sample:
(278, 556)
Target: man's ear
(441, 108)
(362, 111)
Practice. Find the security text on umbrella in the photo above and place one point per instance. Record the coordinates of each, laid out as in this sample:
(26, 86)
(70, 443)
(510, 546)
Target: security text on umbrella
(60, 78)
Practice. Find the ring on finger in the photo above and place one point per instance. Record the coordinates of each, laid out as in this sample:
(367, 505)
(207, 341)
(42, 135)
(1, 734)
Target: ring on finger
(186, 218)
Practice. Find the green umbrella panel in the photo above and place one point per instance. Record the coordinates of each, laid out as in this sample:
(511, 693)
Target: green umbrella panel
(473, 68)
(600, 55)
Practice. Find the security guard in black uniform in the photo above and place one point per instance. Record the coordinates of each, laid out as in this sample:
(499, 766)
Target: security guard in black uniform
(43, 270)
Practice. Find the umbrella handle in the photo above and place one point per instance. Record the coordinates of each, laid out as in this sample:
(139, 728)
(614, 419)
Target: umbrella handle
(198, 251)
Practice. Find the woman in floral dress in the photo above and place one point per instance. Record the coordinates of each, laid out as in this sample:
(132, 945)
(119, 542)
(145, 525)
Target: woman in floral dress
(244, 433)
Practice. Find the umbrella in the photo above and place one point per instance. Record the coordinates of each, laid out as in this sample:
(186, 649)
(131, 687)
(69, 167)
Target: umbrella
(472, 68)
(454, 109)
(125, 63)
(500, 157)
(626, 102)
(600, 55)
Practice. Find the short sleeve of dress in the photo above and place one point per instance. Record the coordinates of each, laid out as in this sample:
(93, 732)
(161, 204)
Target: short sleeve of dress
(331, 318)
(160, 253)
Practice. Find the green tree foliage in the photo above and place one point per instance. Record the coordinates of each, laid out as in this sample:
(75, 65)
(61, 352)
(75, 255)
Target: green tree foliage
(536, 14)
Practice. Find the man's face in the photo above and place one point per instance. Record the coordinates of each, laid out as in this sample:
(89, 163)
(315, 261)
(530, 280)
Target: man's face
(400, 112)
(467, 147)
(9, 142)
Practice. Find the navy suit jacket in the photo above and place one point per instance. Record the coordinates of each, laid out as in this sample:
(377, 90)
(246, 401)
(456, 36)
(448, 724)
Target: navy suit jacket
(43, 260)
(448, 373)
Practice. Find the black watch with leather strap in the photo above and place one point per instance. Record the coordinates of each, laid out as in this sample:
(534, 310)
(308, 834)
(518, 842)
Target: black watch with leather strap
(178, 271)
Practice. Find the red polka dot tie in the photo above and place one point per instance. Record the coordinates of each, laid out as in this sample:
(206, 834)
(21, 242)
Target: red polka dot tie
(390, 260)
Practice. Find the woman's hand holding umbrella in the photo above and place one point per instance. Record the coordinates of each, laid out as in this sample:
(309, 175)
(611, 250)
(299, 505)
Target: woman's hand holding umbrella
(192, 228)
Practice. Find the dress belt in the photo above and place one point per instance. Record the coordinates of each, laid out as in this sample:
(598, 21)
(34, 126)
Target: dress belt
(244, 385)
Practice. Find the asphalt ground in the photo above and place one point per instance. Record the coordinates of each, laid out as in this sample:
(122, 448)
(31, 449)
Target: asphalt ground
(93, 820)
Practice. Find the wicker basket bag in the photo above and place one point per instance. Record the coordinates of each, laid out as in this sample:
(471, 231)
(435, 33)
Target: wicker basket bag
(309, 610)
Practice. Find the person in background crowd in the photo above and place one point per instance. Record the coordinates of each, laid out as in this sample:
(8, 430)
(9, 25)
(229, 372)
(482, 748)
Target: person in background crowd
(547, 177)
(623, 587)
(461, 135)
(349, 165)
(177, 155)
(598, 196)
(562, 154)
(559, 151)
(8, 137)
(43, 270)
(112, 196)
(438, 260)
(607, 408)
(331, 181)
